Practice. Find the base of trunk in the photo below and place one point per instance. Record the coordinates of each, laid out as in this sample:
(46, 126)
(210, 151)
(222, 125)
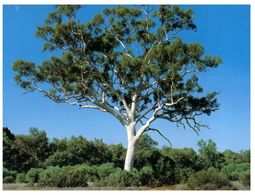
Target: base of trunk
(130, 155)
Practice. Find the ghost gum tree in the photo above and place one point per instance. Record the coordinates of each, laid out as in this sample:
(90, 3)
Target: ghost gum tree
(127, 61)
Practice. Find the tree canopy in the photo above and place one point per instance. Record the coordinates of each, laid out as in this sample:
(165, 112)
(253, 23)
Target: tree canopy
(122, 52)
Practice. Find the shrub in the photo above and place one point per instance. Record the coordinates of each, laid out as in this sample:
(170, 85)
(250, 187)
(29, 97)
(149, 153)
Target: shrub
(32, 175)
(182, 174)
(69, 176)
(105, 170)
(9, 175)
(208, 180)
(74, 177)
(21, 178)
(9, 179)
(164, 172)
(145, 176)
(51, 177)
(90, 171)
(233, 170)
(119, 178)
(60, 158)
(245, 178)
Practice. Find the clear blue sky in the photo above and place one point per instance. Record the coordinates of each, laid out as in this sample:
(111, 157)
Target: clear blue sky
(223, 30)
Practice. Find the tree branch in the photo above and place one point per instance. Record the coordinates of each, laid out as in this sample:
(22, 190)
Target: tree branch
(154, 129)
(148, 122)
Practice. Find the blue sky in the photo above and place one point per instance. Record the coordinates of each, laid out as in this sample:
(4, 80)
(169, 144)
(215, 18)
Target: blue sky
(223, 30)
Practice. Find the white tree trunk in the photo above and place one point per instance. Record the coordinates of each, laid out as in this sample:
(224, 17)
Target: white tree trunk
(131, 147)
(129, 161)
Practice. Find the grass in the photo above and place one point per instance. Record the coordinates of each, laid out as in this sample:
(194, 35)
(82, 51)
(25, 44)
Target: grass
(24, 186)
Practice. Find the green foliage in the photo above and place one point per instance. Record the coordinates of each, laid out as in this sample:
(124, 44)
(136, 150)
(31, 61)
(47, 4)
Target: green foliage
(234, 157)
(105, 170)
(9, 179)
(155, 166)
(182, 174)
(117, 152)
(59, 158)
(146, 177)
(82, 151)
(211, 179)
(164, 171)
(32, 175)
(62, 177)
(10, 151)
(33, 149)
(146, 152)
(209, 154)
(186, 162)
(183, 158)
(90, 171)
(52, 176)
(75, 177)
(119, 178)
(99, 152)
(118, 53)
(245, 178)
(245, 156)
(233, 171)
(9, 175)
(21, 178)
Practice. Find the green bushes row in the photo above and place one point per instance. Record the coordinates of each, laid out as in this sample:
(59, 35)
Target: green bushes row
(109, 175)
(106, 174)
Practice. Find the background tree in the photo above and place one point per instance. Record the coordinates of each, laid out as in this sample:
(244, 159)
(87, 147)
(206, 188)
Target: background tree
(33, 149)
(127, 61)
(10, 150)
(209, 154)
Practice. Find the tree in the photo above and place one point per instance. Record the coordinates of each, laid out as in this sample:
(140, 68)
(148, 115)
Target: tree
(33, 149)
(208, 152)
(10, 150)
(183, 157)
(127, 61)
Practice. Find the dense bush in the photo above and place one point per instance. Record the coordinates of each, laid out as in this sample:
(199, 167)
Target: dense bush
(145, 176)
(21, 178)
(52, 176)
(119, 178)
(62, 177)
(105, 170)
(182, 174)
(60, 158)
(90, 171)
(11, 154)
(9, 175)
(210, 179)
(74, 177)
(233, 170)
(164, 171)
(245, 178)
(118, 153)
(209, 154)
(9, 179)
(32, 175)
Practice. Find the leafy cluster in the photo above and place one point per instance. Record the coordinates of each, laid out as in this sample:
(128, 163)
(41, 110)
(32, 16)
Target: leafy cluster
(122, 56)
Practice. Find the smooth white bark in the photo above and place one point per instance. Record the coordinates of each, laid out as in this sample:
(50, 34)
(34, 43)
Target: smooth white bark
(129, 160)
